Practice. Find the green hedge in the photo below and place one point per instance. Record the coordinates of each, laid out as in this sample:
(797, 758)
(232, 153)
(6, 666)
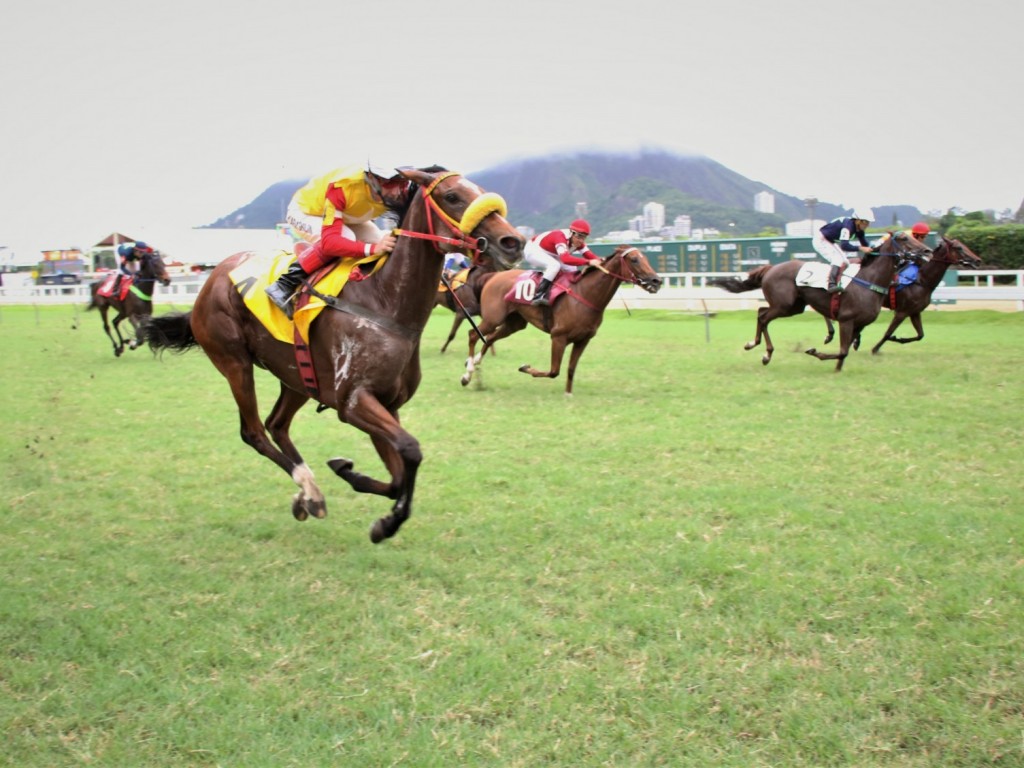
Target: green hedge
(999, 246)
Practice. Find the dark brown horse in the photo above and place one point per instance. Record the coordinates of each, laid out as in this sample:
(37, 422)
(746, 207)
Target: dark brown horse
(365, 351)
(913, 299)
(859, 305)
(137, 305)
(573, 318)
(465, 297)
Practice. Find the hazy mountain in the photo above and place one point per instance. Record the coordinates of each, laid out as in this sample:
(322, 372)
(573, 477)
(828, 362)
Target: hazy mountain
(543, 192)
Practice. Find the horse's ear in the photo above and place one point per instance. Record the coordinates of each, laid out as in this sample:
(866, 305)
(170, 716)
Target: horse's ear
(415, 175)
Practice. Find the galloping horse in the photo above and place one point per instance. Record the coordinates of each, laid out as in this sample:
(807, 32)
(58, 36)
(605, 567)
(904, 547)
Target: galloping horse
(364, 348)
(572, 319)
(137, 305)
(913, 299)
(859, 304)
(465, 297)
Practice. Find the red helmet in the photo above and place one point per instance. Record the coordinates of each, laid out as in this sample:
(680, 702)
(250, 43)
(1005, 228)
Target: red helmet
(920, 228)
(581, 226)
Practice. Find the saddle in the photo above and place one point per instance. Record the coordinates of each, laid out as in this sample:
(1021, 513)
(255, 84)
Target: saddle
(258, 270)
(525, 288)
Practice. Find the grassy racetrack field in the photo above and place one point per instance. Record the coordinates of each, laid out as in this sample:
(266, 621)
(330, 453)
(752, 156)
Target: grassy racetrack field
(695, 561)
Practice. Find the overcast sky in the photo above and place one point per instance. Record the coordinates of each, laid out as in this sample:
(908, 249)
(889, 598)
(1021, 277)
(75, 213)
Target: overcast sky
(137, 116)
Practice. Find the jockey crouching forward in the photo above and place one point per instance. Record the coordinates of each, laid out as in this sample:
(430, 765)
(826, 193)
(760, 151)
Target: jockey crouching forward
(128, 266)
(549, 252)
(335, 212)
(834, 240)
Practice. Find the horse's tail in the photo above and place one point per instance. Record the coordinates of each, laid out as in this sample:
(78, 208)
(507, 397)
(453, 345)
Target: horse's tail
(172, 331)
(93, 293)
(751, 282)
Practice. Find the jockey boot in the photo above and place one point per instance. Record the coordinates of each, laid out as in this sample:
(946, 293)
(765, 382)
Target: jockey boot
(540, 298)
(833, 280)
(282, 291)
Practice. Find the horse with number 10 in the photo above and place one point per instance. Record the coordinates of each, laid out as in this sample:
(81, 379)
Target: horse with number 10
(573, 317)
(365, 348)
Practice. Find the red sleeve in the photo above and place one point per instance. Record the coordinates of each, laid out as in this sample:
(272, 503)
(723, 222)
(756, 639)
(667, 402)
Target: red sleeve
(333, 242)
(578, 261)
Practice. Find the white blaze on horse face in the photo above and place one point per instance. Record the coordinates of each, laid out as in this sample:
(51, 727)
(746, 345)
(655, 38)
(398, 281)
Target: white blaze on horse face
(464, 182)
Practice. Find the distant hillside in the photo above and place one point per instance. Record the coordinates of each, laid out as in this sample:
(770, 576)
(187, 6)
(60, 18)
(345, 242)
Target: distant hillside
(542, 193)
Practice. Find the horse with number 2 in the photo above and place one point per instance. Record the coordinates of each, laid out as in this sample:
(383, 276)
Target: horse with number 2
(364, 346)
(578, 301)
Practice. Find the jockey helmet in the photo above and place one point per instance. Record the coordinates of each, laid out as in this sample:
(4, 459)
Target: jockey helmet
(141, 246)
(124, 250)
(864, 214)
(920, 228)
(581, 226)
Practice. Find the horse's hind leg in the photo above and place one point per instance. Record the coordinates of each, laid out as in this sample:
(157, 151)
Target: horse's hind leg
(400, 453)
(239, 373)
(106, 330)
(764, 316)
(455, 327)
(309, 500)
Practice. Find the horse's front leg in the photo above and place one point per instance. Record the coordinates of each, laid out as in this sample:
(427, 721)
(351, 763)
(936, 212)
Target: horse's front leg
(574, 358)
(847, 333)
(916, 321)
(830, 331)
(897, 318)
(400, 453)
(558, 344)
(137, 322)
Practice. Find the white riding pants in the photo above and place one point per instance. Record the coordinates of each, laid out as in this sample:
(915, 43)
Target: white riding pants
(537, 258)
(831, 252)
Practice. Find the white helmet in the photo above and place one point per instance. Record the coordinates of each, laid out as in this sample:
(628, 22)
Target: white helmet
(864, 214)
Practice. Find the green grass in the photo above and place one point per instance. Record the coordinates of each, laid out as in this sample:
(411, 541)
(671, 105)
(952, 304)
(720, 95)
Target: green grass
(696, 560)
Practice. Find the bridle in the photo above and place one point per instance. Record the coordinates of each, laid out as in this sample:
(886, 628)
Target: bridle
(632, 278)
(478, 210)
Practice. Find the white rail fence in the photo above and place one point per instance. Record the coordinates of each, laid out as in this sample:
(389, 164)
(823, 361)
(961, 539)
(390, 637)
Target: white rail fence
(687, 291)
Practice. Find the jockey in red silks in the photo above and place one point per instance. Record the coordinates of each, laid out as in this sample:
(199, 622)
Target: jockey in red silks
(335, 212)
(550, 252)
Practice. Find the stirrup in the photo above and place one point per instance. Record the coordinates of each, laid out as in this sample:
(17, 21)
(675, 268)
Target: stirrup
(281, 299)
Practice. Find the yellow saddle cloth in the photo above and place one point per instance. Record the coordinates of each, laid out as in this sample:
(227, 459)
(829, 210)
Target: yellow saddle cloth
(259, 270)
(457, 280)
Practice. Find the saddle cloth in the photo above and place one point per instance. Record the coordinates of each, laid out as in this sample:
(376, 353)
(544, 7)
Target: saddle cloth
(107, 289)
(525, 288)
(814, 274)
(258, 270)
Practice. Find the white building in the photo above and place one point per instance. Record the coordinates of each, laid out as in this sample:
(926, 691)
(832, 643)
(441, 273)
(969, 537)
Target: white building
(682, 226)
(764, 202)
(654, 217)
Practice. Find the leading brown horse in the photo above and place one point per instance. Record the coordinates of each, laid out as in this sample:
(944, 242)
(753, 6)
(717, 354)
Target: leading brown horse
(913, 299)
(365, 350)
(137, 305)
(573, 318)
(859, 305)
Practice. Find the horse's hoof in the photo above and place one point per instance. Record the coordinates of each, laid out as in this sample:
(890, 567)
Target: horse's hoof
(765, 360)
(340, 466)
(303, 507)
(749, 345)
(811, 351)
(464, 379)
(525, 368)
(377, 533)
